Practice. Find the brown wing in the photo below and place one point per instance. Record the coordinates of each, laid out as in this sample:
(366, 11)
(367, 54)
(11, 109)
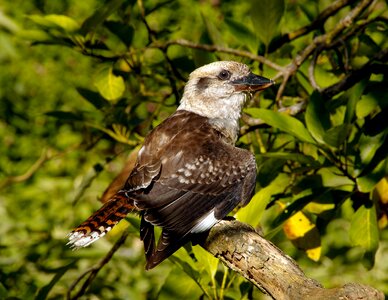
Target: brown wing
(199, 180)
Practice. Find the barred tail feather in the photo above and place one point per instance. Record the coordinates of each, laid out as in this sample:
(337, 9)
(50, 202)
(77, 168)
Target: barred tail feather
(101, 222)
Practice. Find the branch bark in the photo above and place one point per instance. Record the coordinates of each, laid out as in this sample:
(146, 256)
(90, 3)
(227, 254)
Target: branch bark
(242, 249)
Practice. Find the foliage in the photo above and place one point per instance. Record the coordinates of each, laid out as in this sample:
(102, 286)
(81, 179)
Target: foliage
(83, 82)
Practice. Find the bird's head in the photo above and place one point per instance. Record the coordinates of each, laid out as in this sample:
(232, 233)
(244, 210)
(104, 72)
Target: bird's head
(219, 87)
(219, 90)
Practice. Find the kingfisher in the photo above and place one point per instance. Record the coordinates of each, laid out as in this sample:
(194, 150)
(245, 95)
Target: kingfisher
(188, 174)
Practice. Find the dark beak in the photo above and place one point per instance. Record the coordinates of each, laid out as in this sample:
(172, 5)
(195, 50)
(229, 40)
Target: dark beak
(252, 82)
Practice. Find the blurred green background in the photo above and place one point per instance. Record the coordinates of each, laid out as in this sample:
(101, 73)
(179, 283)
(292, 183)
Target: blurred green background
(82, 82)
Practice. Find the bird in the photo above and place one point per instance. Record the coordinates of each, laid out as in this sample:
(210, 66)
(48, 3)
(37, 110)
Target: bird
(189, 174)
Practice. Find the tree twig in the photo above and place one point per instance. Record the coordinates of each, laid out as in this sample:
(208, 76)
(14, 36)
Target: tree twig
(45, 155)
(319, 41)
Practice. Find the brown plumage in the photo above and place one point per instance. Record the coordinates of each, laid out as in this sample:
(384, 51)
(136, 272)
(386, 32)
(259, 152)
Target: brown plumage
(188, 174)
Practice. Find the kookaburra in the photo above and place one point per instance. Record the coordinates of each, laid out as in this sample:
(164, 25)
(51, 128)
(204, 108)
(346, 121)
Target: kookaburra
(189, 174)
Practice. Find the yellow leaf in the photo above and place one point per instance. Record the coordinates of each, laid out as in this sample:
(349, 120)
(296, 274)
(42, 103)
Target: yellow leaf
(381, 190)
(304, 235)
(380, 195)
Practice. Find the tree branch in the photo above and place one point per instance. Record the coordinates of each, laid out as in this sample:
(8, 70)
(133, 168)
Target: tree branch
(357, 75)
(215, 48)
(318, 22)
(242, 249)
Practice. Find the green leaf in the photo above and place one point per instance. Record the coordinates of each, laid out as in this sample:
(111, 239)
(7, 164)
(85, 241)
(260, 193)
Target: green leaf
(363, 228)
(367, 146)
(10, 25)
(336, 136)
(93, 98)
(123, 31)
(63, 23)
(207, 260)
(367, 182)
(213, 32)
(252, 213)
(367, 104)
(100, 15)
(283, 122)
(243, 33)
(302, 199)
(110, 86)
(354, 94)
(266, 16)
(317, 117)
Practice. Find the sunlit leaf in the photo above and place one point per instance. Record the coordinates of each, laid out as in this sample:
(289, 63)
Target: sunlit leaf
(366, 105)
(62, 22)
(283, 122)
(354, 94)
(110, 86)
(207, 260)
(304, 235)
(367, 182)
(252, 213)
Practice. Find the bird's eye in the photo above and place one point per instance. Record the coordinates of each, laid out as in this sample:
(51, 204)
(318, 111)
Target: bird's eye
(224, 75)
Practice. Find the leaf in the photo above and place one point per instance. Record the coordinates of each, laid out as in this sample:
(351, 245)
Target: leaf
(300, 201)
(100, 15)
(93, 98)
(213, 32)
(367, 182)
(337, 135)
(61, 22)
(366, 105)
(10, 25)
(266, 16)
(283, 122)
(354, 94)
(243, 33)
(207, 260)
(110, 86)
(368, 146)
(123, 31)
(304, 235)
(252, 213)
(363, 228)
(317, 117)
(381, 191)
